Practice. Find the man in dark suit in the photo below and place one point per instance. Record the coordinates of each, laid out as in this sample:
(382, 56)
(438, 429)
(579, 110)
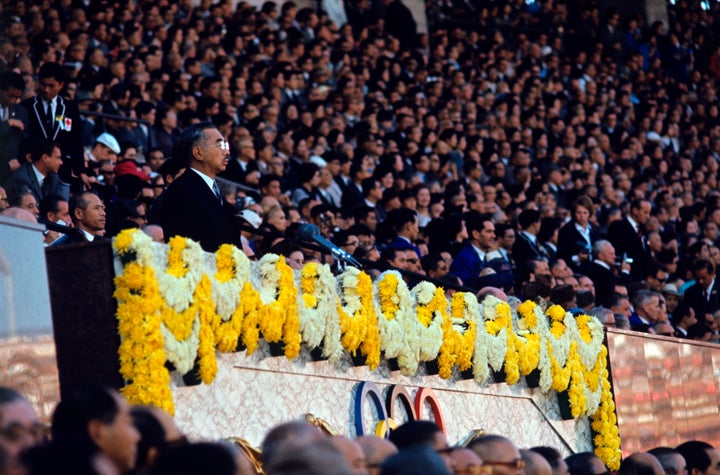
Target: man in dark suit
(405, 224)
(88, 214)
(601, 272)
(526, 246)
(703, 295)
(626, 235)
(13, 123)
(193, 206)
(468, 263)
(50, 117)
(41, 176)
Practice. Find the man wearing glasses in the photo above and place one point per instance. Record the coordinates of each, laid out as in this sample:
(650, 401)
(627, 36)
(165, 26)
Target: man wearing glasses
(20, 427)
(499, 453)
(193, 206)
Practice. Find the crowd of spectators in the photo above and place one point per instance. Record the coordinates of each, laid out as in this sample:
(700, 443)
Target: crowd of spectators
(95, 432)
(557, 150)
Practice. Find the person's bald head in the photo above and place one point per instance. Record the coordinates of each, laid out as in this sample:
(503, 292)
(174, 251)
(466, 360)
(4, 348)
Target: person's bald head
(288, 436)
(641, 463)
(498, 452)
(21, 214)
(464, 460)
(352, 452)
(376, 450)
(535, 464)
(672, 462)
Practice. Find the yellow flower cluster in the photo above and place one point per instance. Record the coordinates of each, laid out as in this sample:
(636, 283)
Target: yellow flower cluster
(226, 309)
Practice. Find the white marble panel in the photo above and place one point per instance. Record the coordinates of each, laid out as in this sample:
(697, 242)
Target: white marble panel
(253, 393)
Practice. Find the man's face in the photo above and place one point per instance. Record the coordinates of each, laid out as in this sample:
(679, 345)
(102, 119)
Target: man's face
(53, 161)
(273, 189)
(412, 262)
(505, 460)
(118, 439)
(92, 218)
(49, 88)
(642, 213)
(703, 277)
(714, 467)
(10, 96)
(19, 427)
(486, 236)
(652, 309)
(507, 240)
(212, 153)
(62, 213)
(399, 261)
(586, 284)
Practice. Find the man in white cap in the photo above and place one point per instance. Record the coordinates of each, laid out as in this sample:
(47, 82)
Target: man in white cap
(106, 148)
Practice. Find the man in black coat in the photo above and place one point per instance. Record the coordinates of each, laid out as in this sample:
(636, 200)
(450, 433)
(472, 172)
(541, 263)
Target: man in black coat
(601, 272)
(627, 234)
(193, 206)
(13, 123)
(50, 117)
(703, 295)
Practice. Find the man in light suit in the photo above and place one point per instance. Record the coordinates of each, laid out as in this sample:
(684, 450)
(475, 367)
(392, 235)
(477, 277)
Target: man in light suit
(13, 123)
(41, 176)
(193, 206)
(468, 263)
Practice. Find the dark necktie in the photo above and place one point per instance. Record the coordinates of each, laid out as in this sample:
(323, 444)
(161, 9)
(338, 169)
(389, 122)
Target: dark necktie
(48, 116)
(216, 190)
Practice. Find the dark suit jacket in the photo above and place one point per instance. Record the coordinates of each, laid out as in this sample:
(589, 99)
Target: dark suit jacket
(24, 179)
(352, 197)
(523, 250)
(694, 295)
(191, 209)
(467, 265)
(11, 139)
(626, 242)
(65, 131)
(570, 242)
(400, 243)
(604, 280)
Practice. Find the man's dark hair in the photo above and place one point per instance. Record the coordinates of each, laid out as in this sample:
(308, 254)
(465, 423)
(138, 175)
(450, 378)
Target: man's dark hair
(75, 411)
(429, 262)
(414, 433)
(10, 395)
(681, 311)
(189, 140)
(633, 465)
(528, 217)
(78, 201)
(703, 264)
(11, 80)
(695, 453)
(52, 70)
(414, 460)
(42, 147)
(581, 464)
(265, 180)
(171, 167)
(50, 204)
(551, 454)
(389, 254)
(195, 459)
(400, 217)
(474, 221)
(665, 456)
(152, 433)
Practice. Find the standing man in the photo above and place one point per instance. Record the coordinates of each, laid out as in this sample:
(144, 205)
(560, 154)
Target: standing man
(50, 117)
(627, 236)
(13, 123)
(193, 206)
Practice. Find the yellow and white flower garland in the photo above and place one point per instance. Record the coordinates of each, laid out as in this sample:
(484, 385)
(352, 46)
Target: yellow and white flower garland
(176, 305)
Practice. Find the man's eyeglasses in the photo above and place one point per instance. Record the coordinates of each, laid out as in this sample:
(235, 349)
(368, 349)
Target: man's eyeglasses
(472, 470)
(223, 145)
(16, 432)
(516, 464)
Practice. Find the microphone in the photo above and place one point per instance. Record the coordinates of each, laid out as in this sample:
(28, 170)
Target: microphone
(310, 232)
(58, 228)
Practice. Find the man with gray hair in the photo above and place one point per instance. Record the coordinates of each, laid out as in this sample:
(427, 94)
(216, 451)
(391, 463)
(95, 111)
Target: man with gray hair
(602, 272)
(647, 311)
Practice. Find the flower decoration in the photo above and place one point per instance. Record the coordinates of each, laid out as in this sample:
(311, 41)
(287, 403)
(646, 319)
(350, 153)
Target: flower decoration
(178, 304)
